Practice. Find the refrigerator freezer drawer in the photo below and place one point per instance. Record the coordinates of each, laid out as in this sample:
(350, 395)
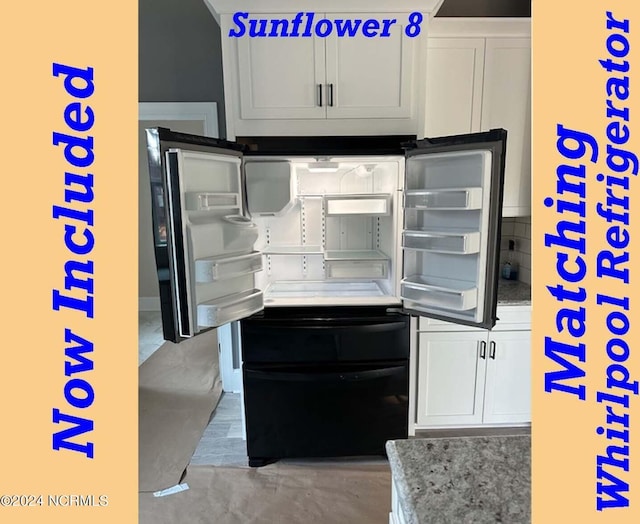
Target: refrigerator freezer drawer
(442, 242)
(358, 205)
(217, 268)
(440, 293)
(227, 309)
(463, 198)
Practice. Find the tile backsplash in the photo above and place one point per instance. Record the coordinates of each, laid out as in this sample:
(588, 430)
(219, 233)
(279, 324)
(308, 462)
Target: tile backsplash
(519, 230)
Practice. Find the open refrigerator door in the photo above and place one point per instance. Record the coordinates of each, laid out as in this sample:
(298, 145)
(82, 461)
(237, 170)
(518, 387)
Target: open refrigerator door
(204, 241)
(450, 241)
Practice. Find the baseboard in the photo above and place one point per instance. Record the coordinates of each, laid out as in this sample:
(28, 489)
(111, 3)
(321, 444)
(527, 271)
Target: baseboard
(148, 303)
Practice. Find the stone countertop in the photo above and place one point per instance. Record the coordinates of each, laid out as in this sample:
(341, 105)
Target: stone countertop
(513, 292)
(463, 479)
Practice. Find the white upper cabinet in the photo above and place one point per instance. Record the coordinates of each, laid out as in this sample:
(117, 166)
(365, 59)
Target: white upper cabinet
(455, 68)
(370, 77)
(280, 80)
(331, 85)
(506, 103)
(479, 78)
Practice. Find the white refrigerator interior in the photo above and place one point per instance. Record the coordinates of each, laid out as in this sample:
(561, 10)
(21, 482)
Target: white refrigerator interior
(327, 233)
(327, 230)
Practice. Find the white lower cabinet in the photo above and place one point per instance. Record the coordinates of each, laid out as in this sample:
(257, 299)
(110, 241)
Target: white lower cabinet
(507, 388)
(473, 378)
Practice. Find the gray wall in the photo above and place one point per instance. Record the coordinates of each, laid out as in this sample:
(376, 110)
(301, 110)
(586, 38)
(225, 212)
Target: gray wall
(180, 59)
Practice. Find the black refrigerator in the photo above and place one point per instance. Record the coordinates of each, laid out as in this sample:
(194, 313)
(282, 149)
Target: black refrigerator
(326, 246)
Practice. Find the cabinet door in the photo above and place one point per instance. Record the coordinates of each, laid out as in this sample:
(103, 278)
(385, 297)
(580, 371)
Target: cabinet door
(451, 369)
(455, 69)
(371, 77)
(508, 383)
(506, 103)
(281, 78)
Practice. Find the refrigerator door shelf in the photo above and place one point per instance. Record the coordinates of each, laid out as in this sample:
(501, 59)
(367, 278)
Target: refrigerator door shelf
(341, 205)
(200, 201)
(222, 236)
(227, 309)
(444, 199)
(462, 243)
(220, 268)
(440, 293)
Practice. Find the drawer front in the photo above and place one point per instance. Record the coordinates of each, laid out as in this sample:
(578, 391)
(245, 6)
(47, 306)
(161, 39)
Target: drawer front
(510, 318)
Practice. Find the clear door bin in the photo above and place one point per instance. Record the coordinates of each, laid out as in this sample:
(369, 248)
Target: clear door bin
(462, 198)
(358, 204)
(440, 293)
(217, 268)
(442, 242)
(224, 236)
(227, 309)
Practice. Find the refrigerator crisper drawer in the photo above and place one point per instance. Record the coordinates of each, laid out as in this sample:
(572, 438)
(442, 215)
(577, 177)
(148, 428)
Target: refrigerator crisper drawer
(227, 309)
(440, 293)
(356, 264)
(442, 242)
(354, 270)
(463, 198)
(358, 204)
(221, 268)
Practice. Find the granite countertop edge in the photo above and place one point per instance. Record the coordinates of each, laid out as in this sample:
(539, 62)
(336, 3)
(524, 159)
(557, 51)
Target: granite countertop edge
(414, 480)
(399, 476)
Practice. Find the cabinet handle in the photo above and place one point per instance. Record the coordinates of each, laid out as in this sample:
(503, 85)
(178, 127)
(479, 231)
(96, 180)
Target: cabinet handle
(492, 350)
(483, 349)
(320, 95)
(330, 95)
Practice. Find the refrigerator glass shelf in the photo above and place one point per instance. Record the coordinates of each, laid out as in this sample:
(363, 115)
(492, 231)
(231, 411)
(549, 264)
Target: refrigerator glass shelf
(445, 199)
(220, 268)
(285, 289)
(363, 254)
(229, 308)
(442, 241)
(440, 293)
(292, 250)
(202, 201)
(374, 204)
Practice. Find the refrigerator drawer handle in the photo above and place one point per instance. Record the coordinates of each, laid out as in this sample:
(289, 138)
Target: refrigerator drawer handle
(363, 328)
(334, 376)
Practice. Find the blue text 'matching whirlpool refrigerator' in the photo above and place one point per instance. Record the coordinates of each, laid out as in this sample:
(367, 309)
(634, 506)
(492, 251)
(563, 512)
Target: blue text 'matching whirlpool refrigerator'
(324, 248)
